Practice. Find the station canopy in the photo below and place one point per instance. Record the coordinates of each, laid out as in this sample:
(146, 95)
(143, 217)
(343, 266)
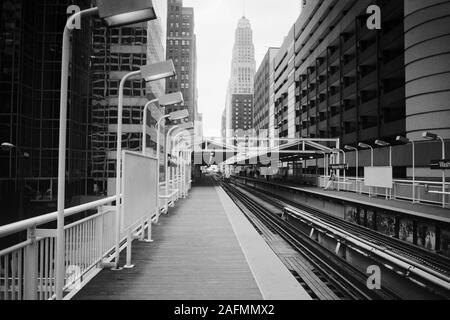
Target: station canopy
(261, 152)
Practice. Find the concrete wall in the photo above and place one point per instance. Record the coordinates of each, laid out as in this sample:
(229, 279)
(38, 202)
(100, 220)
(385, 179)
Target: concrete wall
(427, 58)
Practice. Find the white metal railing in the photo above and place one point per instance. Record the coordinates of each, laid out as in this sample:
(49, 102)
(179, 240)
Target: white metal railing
(427, 192)
(27, 269)
(27, 266)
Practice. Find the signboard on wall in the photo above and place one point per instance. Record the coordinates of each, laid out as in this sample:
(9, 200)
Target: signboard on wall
(343, 166)
(440, 164)
(139, 194)
(380, 177)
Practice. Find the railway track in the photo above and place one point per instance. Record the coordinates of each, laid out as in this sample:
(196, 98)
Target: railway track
(350, 282)
(438, 263)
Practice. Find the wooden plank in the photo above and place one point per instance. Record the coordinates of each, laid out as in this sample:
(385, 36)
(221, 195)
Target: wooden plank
(195, 256)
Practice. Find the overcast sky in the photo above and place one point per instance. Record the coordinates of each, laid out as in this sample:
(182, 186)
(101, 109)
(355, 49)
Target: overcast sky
(215, 24)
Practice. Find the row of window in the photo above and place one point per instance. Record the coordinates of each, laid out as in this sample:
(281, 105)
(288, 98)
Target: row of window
(177, 42)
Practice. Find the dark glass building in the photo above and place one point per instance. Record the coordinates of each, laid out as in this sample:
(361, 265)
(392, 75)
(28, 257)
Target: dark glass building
(30, 68)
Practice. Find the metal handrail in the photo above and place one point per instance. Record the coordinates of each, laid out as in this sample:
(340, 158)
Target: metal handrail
(46, 218)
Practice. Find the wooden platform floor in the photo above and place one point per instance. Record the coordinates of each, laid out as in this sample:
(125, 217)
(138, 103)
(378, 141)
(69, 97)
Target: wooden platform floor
(195, 256)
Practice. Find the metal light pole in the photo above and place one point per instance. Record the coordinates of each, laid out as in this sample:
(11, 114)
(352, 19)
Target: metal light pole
(180, 158)
(432, 136)
(337, 150)
(148, 73)
(366, 146)
(114, 14)
(166, 100)
(405, 140)
(385, 144)
(350, 148)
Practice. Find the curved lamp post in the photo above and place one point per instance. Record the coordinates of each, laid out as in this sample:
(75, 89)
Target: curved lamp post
(148, 73)
(184, 126)
(350, 148)
(366, 146)
(166, 100)
(385, 144)
(115, 13)
(435, 137)
(405, 140)
(182, 159)
(339, 151)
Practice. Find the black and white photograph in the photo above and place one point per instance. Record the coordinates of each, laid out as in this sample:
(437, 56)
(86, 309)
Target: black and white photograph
(224, 158)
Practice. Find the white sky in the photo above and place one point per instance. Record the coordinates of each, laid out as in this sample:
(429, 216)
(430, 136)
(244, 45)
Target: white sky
(215, 24)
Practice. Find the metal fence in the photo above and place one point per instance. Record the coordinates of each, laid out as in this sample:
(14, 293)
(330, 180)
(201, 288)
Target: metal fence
(427, 192)
(27, 268)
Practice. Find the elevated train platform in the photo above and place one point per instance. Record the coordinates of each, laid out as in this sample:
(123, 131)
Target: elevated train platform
(205, 249)
(424, 211)
(420, 224)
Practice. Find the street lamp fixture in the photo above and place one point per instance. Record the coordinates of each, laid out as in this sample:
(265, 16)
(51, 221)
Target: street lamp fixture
(158, 71)
(6, 146)
(179, 115)
(366, 146)
(118, 13)
(114, 13)
(405, 140)
(181, 127)
(385, 144)
(166, 100)
(350, 148)
(148, 73)
(435, 137)
(382, 143)
(171, 98)
(430, 136)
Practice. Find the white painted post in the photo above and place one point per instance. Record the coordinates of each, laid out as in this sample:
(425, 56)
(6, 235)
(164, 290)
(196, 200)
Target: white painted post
(129, 246)
(65, 61)
(31, 267)
(414, 170)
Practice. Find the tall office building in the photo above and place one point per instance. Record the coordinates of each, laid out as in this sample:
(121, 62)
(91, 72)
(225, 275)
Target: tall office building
(239, 100)
(116, 52)
(334, 77)
(30, 68)
(263, 92)
(182, 49)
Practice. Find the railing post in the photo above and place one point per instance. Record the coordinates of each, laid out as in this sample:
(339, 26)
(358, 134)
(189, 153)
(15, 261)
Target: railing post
(101, 222)
(31, 267)
(129, 246)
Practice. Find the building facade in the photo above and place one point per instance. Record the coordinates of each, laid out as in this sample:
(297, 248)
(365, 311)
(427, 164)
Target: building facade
(30, 60)
(116, 52)
(334, 77)
(239, 100)
(263, 90)
(182, 49)
(427, 59)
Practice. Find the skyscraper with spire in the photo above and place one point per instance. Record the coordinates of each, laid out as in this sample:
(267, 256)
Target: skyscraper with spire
(239, 100)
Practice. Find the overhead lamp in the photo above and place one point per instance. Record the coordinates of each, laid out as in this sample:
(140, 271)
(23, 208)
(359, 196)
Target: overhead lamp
(158, 71)
(118, 13)
(179, 115)
(171, 98)
(364, 145)
(430, 136)
(403, 140)
(382, 143)
(7, 146)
